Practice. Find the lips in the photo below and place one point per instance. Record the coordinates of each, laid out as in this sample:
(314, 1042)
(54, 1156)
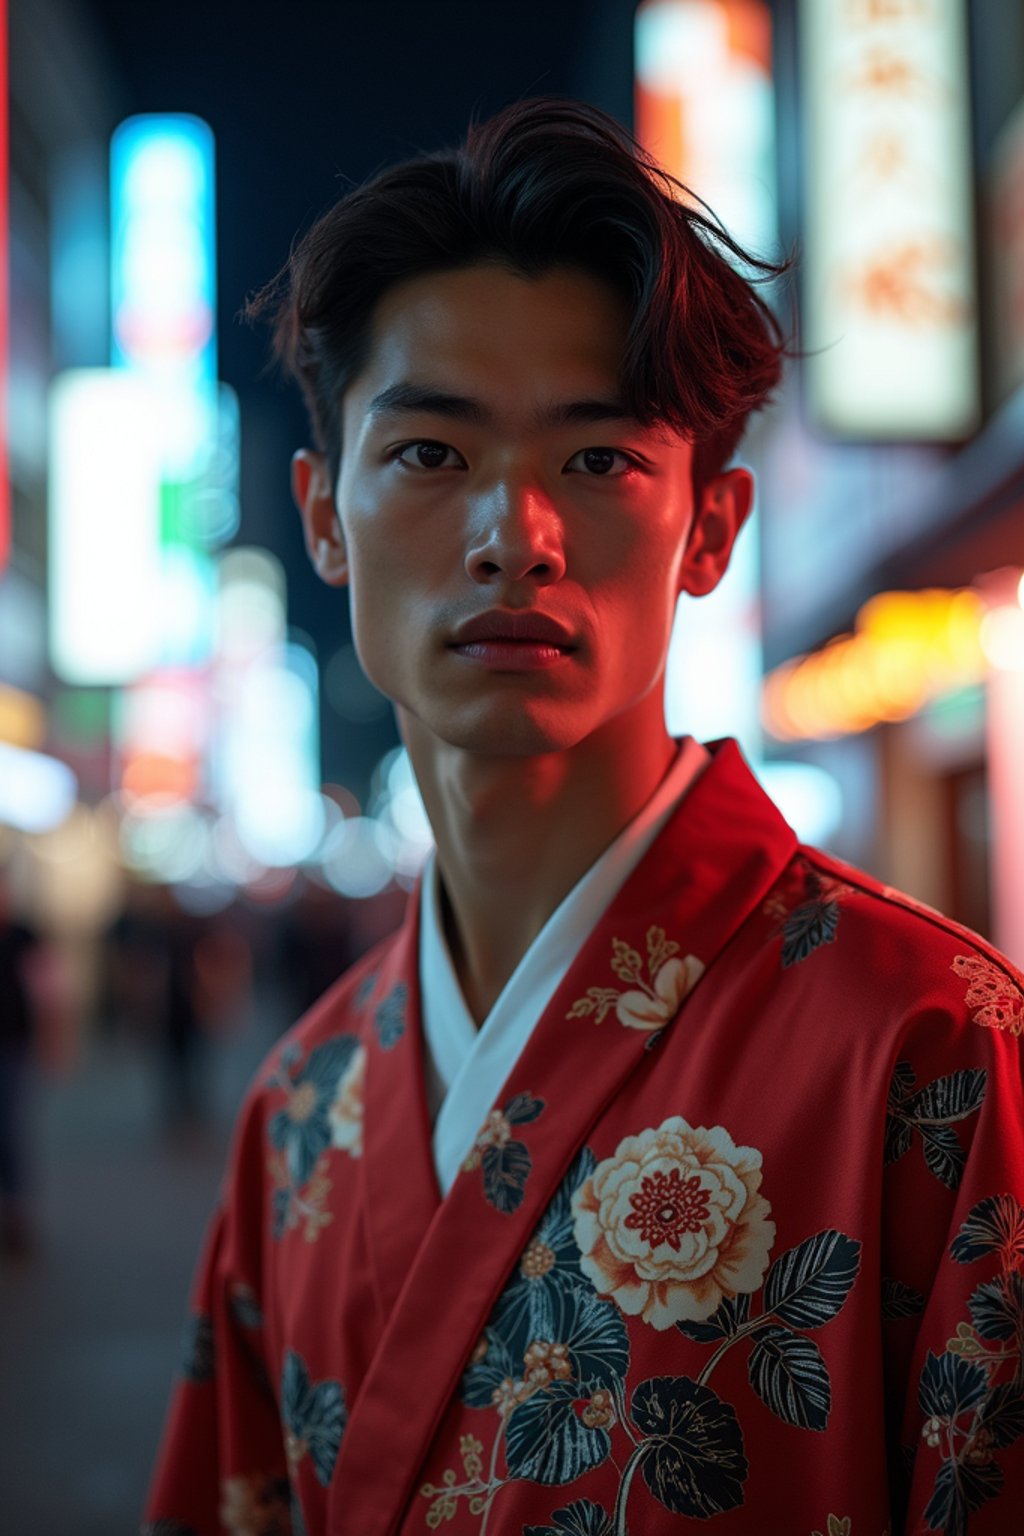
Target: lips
(505, 628)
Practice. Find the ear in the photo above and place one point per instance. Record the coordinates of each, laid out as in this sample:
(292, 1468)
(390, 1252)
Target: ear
(724, 506)
(314, 497)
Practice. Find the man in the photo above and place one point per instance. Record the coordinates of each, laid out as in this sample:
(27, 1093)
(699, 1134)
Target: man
(658, 1170)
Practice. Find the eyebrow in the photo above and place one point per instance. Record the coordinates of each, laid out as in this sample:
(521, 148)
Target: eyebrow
(406, 399)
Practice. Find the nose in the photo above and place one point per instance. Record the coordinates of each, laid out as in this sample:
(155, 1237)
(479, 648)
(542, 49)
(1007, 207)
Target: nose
(516, 536)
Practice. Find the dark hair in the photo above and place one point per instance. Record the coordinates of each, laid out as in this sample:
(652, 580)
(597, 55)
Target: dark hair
(547, 182)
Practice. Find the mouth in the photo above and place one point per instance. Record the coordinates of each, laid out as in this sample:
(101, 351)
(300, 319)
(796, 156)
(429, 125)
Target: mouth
(513, 642)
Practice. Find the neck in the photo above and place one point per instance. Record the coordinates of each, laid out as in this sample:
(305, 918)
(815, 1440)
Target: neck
(515, 834)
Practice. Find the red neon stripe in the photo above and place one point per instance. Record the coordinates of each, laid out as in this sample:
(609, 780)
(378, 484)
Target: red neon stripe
(5, 477)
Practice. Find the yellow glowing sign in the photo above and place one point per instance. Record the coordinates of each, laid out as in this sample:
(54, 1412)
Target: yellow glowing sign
(908, 648)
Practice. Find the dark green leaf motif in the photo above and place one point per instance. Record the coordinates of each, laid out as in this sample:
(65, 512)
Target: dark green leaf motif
(197, 1356)
(899, 1300)
(547, 1441)
(943, 1154)
(997, 1308)
(949, 1098)
(281, 1201)
(389, 1018)
(903, 1079)
(314, 1413)
(899, 1138)
(932, 1111)
(523, 1108)
(593, 1332)
(807, 928)
(731, 1313)
(995, 1224)
(302, 1129)
(808, 1284)
(949, 1385)
(960, 1487)
(365, 989)
(507, 1165)
(580, 1518)
(693, 1462)
(506, 1170)
(789, 1376)
(482, 1379)
(244, 1307)
(1002, 1418)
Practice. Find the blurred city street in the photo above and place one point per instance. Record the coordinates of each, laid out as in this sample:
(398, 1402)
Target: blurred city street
(90, 1320)
(208, 811)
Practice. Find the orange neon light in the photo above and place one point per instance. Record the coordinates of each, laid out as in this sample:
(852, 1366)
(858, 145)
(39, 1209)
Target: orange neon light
(908, 648)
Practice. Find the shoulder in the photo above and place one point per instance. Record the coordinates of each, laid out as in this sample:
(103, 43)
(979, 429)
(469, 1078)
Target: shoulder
(900, 947)
(309, 1064)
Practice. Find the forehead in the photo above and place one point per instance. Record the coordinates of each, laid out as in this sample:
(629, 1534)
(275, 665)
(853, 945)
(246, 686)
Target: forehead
(486, 331)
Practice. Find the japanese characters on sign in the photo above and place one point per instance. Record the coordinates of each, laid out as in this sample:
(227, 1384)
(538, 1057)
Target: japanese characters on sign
(889, 282)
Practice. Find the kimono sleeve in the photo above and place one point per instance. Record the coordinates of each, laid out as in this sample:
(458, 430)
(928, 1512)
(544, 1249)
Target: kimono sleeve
(222, 1465)
(953, 1276)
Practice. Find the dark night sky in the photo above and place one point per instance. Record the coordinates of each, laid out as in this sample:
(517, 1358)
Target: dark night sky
(302, 99)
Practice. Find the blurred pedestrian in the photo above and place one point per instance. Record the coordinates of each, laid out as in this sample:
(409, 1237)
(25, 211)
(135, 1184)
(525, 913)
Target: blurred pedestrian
(20, 946)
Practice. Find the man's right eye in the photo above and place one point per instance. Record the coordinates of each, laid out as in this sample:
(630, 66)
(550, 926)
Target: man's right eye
(426, 454)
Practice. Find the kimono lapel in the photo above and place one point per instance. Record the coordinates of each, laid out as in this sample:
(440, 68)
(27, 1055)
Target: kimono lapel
(713, 864)
(401, 1183)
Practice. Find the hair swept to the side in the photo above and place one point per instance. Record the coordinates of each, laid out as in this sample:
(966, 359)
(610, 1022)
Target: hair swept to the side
(546, 182)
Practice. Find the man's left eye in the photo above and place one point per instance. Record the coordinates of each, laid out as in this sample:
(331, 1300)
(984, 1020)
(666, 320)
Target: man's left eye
(606, 462)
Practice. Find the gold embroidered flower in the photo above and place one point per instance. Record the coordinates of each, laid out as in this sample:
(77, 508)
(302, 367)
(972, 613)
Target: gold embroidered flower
(673, 1222)
(496, 1131)
(507, 1397)
(346, 1113)
(656, 987)
(837, 1526)
(537, 1260)
(545, 1362)
(301, 1102)
(998, 1002)
(647, 1007)
(600, 1411)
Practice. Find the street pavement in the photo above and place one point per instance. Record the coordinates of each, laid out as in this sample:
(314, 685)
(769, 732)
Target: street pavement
(90, 1321)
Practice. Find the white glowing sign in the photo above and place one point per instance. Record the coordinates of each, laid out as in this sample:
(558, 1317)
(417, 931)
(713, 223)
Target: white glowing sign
(705, 106)
(104, 511)
(163, 266)
(889, 286)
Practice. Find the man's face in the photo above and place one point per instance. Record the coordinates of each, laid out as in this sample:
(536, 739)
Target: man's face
(513, 541)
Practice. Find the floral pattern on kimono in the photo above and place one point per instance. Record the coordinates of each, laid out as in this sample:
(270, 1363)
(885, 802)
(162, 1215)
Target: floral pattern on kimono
(553, 1362)
(322, 1108)
(806, 906)
(972, 1395)
(658, 985)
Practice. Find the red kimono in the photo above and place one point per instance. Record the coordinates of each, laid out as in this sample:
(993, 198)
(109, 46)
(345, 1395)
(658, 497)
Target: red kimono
(741, 1241)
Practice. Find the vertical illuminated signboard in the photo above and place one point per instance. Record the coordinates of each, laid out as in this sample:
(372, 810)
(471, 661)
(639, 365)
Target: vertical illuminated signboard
(889, 284)
(163, 317)
(163, 273)
(704, 110)
(104, 495)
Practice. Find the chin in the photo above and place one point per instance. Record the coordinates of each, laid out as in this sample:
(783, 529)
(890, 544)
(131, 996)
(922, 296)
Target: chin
(510, 732)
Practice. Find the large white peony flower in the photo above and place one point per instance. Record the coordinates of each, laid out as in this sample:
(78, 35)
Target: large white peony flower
(673, 1222)
(650, 1009)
